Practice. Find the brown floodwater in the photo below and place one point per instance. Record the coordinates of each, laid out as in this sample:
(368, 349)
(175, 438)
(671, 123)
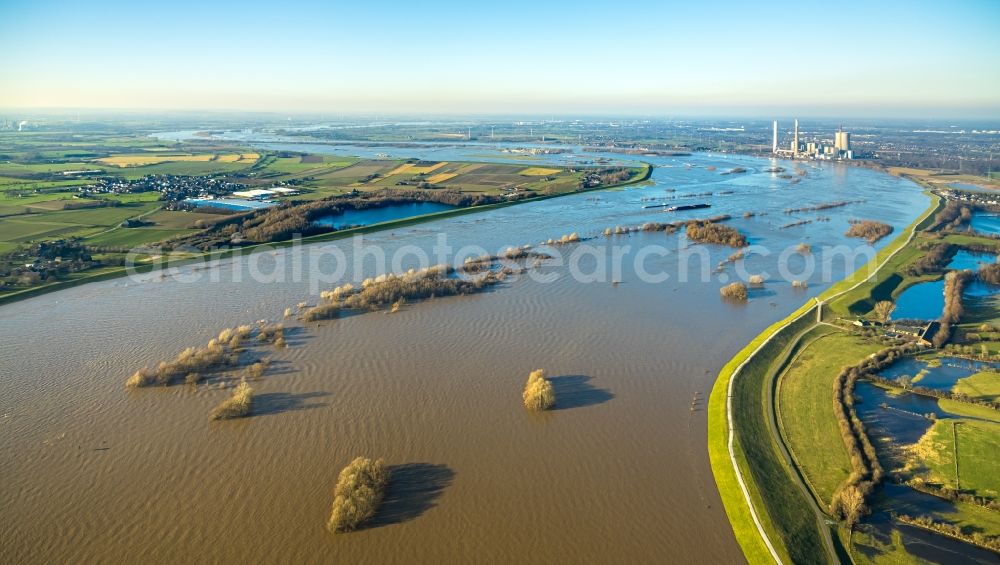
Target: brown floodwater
(618, 473)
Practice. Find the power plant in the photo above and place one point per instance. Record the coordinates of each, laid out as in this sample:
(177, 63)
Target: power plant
(815, 149)
(842, 140)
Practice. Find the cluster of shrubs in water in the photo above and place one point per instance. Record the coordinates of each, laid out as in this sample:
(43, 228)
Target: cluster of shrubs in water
(869, 230)
(564, 239)
(360, 490)
(848, 501)
(666, 227)
(236, 406)
(735, 291)
(194, 363)
(709, 232)
(824, 206)
(220, 354)
(392, 290)
(538, 392)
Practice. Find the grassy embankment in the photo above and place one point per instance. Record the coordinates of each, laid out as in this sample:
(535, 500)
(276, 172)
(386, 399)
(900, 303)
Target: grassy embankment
(105, 273)
(805, 392)
(782, 509)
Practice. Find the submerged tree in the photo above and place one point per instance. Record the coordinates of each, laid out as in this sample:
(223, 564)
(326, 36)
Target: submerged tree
(734, 291)
(236, 406)
(538, 392)
(360, 490)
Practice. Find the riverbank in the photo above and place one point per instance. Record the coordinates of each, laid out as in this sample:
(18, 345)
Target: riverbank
(768, 520)
(107, 273)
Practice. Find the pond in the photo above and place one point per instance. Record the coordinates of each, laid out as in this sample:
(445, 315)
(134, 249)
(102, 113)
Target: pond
(969, 260)
(972, 261)
(968, 186)
(984, 222)
(902, 420)
(980, 289)
(922, 301)
(389, 213)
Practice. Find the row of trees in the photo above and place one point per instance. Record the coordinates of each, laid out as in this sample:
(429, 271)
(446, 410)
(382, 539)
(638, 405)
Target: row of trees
(952, 216)
(935, 260)
(953, 495)
(848, 501)
(987, 541)
(666, 227)
(954, 286)
(989, 273)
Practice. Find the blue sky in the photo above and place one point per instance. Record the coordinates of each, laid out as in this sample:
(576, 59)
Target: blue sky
(658, 58)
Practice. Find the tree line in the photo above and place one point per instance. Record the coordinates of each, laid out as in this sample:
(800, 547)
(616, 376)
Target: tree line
(849, 500)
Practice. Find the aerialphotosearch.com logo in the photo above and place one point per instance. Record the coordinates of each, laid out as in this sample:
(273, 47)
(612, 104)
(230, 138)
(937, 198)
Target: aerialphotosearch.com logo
(595, 260)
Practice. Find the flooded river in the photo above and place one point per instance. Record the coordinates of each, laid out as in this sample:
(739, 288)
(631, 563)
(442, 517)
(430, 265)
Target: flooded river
(618, 473)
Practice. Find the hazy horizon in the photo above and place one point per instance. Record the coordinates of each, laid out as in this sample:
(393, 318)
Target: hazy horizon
(906, 60)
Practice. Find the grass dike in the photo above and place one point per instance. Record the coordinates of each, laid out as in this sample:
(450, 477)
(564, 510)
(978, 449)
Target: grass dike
(780, 510)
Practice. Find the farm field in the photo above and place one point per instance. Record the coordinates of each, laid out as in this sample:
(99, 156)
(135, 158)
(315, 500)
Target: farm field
(85, 188)
(133, 237)
(943, 179)
(981, 386)
(54, 224)
(975, 468)
(156, 158)
(341, 177)
(539, 171)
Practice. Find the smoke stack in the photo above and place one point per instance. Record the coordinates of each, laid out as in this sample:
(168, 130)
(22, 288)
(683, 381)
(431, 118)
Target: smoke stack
(795, 141)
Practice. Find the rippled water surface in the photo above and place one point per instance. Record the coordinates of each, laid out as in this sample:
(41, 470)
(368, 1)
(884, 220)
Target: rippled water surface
(618, 473)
